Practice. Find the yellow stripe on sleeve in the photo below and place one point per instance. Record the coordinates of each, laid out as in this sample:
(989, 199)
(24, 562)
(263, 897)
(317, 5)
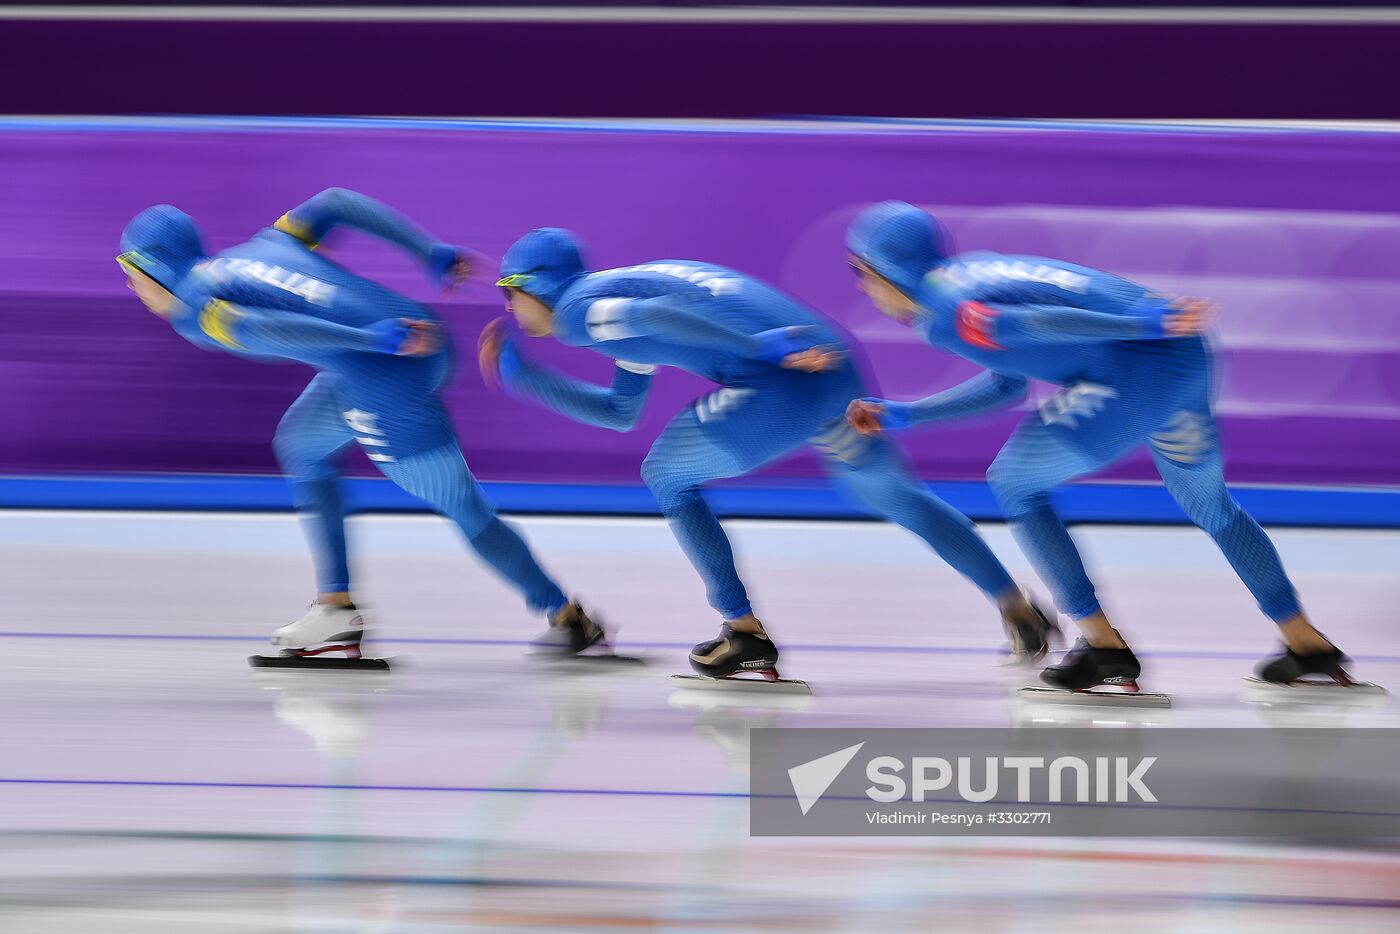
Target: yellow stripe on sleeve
(218, 320)
(289, 224)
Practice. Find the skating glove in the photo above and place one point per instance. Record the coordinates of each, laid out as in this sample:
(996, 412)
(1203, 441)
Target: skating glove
(896, 416)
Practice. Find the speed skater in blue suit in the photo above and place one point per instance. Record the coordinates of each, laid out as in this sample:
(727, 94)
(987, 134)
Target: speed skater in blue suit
(1134, 371)
(784, 378)
(381, 361)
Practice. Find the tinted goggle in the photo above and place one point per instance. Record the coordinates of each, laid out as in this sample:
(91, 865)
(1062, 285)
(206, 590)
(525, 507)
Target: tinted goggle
(131, 260)
(516, 281)
(860, 268)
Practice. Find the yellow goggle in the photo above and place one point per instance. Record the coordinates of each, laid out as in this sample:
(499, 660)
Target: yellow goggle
(516, 281)
(130, 260)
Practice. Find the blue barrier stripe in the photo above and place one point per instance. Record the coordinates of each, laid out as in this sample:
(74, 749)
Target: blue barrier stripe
(796, 124)
(1361, 507)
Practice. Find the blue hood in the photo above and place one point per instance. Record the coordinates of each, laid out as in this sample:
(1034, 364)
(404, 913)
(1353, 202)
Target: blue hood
(543, 263)
(899, 241)
(164, 243)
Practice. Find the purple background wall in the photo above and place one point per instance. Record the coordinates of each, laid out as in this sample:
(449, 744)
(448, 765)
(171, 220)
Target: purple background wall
(1297, 234)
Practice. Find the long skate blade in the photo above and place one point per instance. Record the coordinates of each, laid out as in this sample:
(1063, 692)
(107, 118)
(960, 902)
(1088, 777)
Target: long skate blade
(601, 660)
(1034, 714)
(1304, 690)
(1094, 698)
(319, 662)
(781, 686)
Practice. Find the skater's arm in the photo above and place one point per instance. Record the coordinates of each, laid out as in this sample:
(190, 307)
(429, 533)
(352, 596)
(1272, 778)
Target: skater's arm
(985, 392)
(338, 207)
(617, 407)
(996, 326)
(289, 334)
(663, 318)
(1012, 280)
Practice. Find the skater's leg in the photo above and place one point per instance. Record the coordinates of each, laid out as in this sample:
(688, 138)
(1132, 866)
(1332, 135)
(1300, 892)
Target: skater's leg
(877, 476)
(310, 442)
(873, 470)
(1189, 457)
(1082, 428)
(393, 406)
(440, 478)
(680, 461)
(725, 434)
(1032, 463)
(678, 464)
(1186, 447)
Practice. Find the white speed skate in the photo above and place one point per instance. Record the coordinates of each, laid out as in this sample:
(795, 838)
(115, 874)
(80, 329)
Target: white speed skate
(324, 629)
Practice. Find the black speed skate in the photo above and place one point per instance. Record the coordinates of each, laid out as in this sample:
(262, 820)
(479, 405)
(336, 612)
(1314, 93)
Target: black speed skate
(1313, 674)
(1085, 668)
(1030, 638)
(570, 632)
(733, 652)
(723, 662)
(1291, 667)
(574, 636)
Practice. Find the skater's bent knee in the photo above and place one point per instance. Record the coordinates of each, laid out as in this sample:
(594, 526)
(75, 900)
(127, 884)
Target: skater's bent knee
(668, 485)
(473, 516)
(1001, 477)
(298, 465)
(1016, 494)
